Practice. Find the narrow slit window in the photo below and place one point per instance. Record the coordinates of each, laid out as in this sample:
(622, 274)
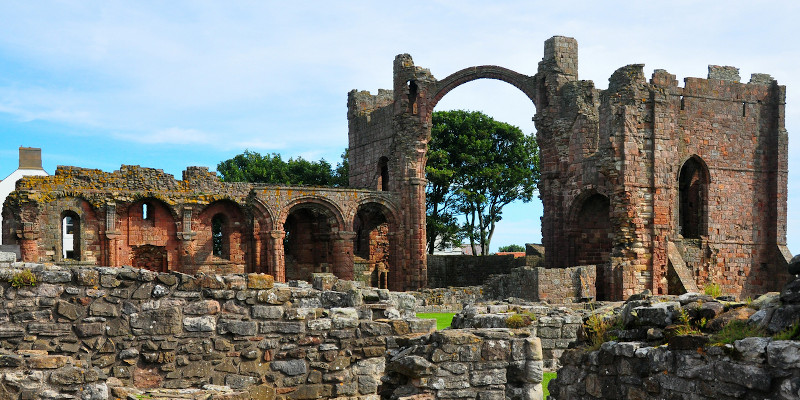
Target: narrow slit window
(218, 235)
(683, 104)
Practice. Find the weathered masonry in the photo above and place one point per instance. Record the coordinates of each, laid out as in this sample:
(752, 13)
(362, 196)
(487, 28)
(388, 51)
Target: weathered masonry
(658, 186)
(661, 187)
(145, 218)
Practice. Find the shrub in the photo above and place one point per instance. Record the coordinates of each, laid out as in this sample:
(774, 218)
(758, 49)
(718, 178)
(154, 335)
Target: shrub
(23, 278)
(598, 327)
(790, 333)
(713, 290)
(519, 320)
(735, 330)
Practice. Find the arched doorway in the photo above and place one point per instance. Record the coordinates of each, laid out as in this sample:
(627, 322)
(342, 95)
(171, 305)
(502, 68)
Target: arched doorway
(373, 246)
(310, 234)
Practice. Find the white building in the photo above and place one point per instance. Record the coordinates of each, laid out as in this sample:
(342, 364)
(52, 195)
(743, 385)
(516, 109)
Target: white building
(30, 163)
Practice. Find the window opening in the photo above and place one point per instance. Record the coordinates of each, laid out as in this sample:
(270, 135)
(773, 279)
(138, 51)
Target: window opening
(147, 212)
(383, 166)
(692, 187)
(218, 235)
(70, 238)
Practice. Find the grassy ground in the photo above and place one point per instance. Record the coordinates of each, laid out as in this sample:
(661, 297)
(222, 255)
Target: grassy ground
(443, 320)
(547, 377)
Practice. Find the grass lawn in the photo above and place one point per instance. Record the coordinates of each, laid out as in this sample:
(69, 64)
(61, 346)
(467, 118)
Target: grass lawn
(443, 320)
(547, 377)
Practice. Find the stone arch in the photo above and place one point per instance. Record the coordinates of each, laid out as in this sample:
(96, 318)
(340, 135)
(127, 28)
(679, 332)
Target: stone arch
(693, 182)
(226, 250)
(522, 82)
(84, 221)
(375, 247)
(311, 229)
(151, 243)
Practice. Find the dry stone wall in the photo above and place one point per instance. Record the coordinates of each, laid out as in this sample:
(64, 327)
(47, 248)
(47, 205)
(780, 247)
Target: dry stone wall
(98, 333)
(752, 368)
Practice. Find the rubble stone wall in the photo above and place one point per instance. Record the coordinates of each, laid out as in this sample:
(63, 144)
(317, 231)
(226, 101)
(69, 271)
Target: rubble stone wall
(466, 270)
(752, 368)
(101, 332)
(558, 285)
(556, 327)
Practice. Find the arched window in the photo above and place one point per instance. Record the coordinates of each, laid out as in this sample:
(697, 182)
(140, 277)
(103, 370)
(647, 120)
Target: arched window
(70, 236)
(218, 236)
(693, 188)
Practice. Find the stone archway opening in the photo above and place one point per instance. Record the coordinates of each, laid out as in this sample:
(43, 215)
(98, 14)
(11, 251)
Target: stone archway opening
(308, 242)
(373, 246)
(503, 95)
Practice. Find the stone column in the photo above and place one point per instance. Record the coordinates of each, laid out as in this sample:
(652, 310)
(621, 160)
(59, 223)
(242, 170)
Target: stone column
(343, 254)
(276, 265)
(29, 242)
(416, 272)
(111, 256)
(186, 237)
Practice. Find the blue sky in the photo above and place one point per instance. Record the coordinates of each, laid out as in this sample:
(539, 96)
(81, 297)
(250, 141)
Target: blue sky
(170, 84)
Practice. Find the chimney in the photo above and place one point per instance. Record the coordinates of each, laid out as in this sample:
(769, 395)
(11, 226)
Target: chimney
(30, 158)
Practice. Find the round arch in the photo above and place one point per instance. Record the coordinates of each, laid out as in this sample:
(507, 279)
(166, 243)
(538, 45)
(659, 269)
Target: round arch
(522, 82)
(330, 209)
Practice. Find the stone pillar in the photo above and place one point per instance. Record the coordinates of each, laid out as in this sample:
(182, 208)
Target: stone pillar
(416, 272)
(186, 237)
(276, 265)
(29, 242)
(111, 256)
(343, 254)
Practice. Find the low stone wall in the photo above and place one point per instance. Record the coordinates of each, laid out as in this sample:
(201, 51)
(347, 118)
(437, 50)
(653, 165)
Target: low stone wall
(151, 330)
(752, 368)
(468, 364)
(463, 270)
(450, 299)
(557, 327)
(97, 333)
(561, 285)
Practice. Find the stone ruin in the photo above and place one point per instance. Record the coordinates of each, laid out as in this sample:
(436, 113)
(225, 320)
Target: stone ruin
(645, 185)
(660, 187)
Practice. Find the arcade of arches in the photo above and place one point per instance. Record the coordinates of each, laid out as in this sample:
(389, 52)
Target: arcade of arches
(147, 219)
(626, 174)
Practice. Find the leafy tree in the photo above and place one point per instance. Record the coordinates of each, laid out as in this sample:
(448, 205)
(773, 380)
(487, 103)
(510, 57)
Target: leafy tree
(512, 248)
(270, 169)
(476, 166)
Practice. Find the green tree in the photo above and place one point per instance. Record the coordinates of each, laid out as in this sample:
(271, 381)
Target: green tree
(476, 166)
(270, 169)
(512, 248)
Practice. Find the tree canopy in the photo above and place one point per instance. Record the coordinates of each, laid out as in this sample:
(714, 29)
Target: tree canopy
(476, 166)
(512, 248)
(270, 169)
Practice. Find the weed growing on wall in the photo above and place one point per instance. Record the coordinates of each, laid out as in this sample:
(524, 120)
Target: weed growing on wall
(23, 278)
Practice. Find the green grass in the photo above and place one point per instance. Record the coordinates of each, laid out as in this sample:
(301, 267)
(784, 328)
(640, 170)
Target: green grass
(547, 377)
(443, 320)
